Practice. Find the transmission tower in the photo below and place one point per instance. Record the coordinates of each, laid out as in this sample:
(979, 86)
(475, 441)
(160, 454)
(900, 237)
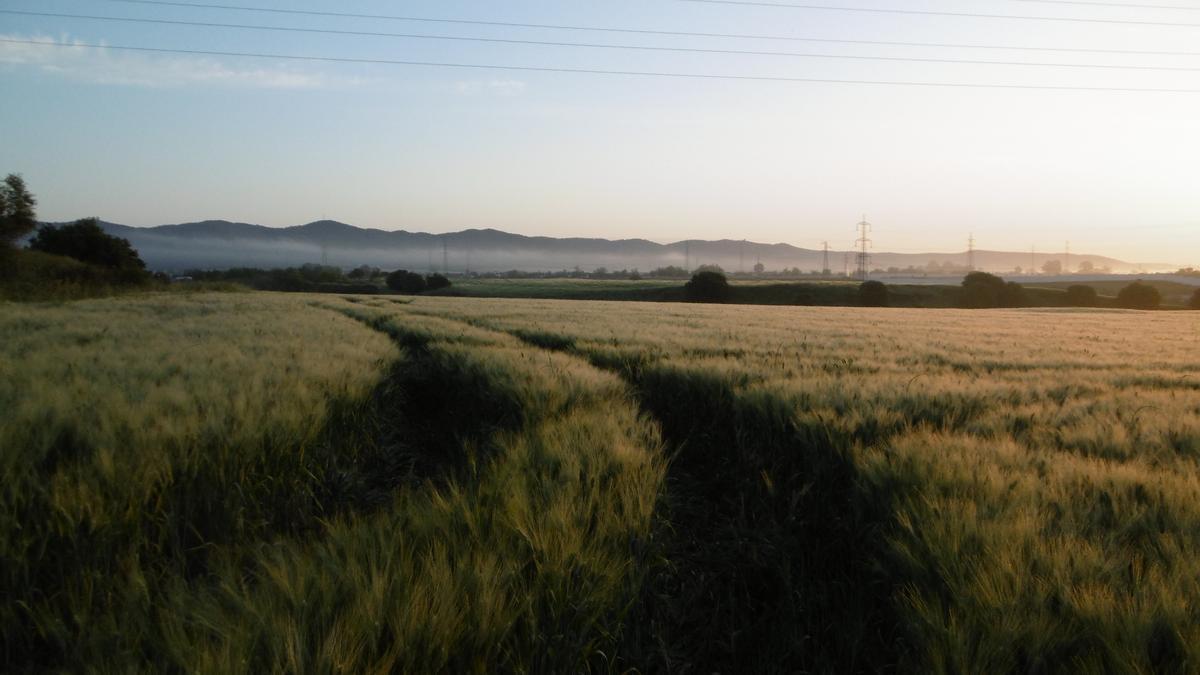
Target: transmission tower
(864, 249)
(445, 258)
(846, 265)
(826, 269)
(971, 253)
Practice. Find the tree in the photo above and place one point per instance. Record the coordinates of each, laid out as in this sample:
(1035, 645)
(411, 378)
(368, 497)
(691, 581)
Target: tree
(17, 216)
(1139, 295)
(710, 268)
(1087, 267)
(1081, 296)
(1194, 303)
(873, 294)
(436, 282)
(1053, 267)
(759, 268)
(85, 241)
(981, 290)
(404, 281)
(363, 272)
(707, 287)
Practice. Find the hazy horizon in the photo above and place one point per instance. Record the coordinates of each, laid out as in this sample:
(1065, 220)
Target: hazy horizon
(145, 139)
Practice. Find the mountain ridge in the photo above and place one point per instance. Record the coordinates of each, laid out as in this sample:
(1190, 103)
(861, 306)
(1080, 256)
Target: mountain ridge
(217, 244)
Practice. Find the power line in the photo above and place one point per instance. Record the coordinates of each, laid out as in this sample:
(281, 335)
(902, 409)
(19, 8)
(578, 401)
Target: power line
(636, 31)
(596, 71)
(921, 12)
(543, 43)
(864, 246)
(1118, 5)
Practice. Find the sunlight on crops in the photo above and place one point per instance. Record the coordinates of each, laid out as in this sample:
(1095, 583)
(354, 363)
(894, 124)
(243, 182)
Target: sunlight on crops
(1038, 469)
(262, 483)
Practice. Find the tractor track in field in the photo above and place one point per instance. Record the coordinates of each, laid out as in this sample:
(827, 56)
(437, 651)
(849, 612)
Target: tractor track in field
(772, 547)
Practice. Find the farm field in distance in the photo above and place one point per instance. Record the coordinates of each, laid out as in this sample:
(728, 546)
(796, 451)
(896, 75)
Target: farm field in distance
(253, 482)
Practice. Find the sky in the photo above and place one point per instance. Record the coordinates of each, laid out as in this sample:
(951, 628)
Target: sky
(146, 138)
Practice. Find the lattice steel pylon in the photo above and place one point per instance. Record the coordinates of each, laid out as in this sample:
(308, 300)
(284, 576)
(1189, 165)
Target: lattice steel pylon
(864, 249)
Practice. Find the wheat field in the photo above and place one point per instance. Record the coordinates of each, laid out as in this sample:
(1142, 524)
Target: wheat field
(262, 483)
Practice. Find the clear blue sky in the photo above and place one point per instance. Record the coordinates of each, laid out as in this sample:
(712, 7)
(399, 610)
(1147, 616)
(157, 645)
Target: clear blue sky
(146, 139)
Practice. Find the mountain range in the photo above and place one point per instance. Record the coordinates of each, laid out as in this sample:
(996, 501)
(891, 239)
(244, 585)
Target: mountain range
(219, 244)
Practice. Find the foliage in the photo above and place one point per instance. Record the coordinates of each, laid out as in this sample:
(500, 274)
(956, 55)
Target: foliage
(403, 281)
(707, 287)
(306, 278)
(364, 272)
(436, 282)
(17, 211)
(85, 241)
(1013, 295)
(981, 290)
(873, 294)
(1194, 303)
(1081, 296)
(669, 272)
(1139, 295)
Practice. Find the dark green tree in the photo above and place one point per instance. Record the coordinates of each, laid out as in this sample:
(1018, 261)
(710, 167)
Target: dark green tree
(981, 290)
(436, 282)
(403, 281)
(85, 241)
(873, 294)
(1139, 295)
(1081, 296)
(17, 215)
(363, 272)
(707, 287)
(1194, 303)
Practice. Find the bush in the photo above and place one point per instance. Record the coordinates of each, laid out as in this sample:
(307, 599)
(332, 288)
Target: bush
(36, 276)
(1139, 295)
(1013, 295)
(981, 290)
(1081, 296)
(1194, 303)
(436, 282)
(403, 281)
(85, 241)
(707, 287)
(873, 294)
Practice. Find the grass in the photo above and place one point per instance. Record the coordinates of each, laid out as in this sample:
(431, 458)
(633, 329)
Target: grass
(259, 483)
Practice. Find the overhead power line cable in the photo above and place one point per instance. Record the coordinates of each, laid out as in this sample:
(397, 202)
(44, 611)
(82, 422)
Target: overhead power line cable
(544, 43)
(1117, 5)
(636, 31)
(923, 12)
(596, 71)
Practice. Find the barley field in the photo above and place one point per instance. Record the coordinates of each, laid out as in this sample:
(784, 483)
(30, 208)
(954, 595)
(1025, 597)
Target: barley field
(292, 484)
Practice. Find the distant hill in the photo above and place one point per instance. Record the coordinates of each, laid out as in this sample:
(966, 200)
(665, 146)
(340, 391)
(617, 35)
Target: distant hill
(219, 244)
